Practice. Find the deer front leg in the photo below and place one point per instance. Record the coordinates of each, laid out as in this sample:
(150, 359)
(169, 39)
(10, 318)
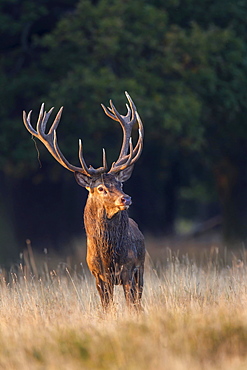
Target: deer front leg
(133, 287)
(105, 290)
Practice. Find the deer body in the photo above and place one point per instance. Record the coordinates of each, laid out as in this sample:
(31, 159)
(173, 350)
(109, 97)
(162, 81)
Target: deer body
(115, 245)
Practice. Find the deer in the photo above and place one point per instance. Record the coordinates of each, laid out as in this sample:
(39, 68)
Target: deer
(115, 245)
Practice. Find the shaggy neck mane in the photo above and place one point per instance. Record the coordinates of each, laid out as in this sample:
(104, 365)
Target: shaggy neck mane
(108, 234)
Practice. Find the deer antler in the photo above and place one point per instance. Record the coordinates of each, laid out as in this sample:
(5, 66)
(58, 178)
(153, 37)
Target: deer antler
(50, 142)
(125, 160)
(127, 157)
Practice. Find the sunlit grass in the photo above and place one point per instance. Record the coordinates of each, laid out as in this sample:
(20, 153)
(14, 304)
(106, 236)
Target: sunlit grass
(195, 317)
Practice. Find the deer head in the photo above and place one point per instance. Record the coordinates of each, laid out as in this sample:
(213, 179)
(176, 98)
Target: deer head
(98, 181)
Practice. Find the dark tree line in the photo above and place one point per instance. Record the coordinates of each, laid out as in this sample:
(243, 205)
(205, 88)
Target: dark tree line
(183, 63)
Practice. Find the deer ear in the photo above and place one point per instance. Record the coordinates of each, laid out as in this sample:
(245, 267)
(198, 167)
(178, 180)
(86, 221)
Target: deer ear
(124, 175)
(82, 180)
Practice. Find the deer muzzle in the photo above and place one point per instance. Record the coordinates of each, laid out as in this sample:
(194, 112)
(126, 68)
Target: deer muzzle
(124, 202)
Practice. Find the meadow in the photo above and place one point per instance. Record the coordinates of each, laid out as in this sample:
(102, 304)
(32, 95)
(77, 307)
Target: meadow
(194, 315)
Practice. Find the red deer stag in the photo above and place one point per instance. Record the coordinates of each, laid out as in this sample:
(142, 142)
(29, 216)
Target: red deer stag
(115, 245)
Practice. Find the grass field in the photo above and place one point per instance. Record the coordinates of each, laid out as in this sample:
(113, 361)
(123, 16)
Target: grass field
(195, 316)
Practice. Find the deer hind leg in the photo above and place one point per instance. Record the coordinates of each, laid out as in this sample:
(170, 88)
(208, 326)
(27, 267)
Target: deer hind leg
(105, 290)
(138, 284)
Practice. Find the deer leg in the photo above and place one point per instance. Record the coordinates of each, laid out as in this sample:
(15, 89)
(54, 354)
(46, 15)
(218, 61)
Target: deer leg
(128, 293)
(133, 288)
(138, 287)
(105, 291)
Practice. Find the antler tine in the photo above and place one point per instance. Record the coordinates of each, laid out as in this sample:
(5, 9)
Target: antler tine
(118, 116)
(56, 120)
(26, 120)
(40, 118)
(45, 120)
(136, 153)
(104, 160)
(81, 158)
(129, 112)
(139, 146)
(90, 170)
(121, 166)
(132, 105)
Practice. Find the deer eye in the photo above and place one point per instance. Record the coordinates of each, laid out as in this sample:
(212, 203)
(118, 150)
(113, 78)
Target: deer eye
(100, 188)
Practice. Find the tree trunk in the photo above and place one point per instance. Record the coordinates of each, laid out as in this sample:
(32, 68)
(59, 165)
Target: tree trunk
(170, 190)
(231, 181)
(8, 243)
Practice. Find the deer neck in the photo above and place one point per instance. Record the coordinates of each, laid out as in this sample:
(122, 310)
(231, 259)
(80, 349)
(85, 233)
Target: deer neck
(108, 233)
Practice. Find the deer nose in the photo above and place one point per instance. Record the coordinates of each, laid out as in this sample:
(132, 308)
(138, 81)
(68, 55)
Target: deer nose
(126, 200)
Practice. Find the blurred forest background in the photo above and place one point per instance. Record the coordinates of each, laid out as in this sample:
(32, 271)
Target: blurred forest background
(184, 63)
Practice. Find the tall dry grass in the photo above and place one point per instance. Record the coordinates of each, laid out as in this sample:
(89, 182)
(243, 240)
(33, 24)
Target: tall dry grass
(195, 317)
